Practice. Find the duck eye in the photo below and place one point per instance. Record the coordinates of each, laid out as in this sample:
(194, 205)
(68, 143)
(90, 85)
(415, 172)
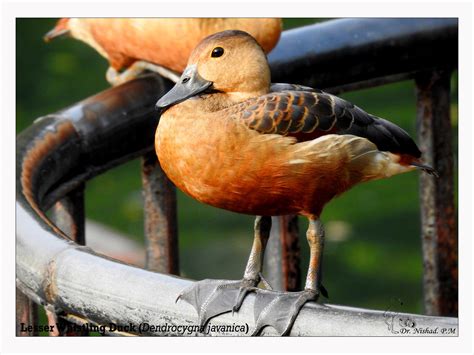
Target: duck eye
(217, 52)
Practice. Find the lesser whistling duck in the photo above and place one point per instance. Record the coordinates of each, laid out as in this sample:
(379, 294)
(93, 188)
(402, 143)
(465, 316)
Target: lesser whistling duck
(162, 45)
(230, 139)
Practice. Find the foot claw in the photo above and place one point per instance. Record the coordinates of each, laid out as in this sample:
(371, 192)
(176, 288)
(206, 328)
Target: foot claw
(243, 292)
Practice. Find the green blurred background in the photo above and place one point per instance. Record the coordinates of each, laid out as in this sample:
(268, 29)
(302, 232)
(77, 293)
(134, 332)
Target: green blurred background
(373, 250)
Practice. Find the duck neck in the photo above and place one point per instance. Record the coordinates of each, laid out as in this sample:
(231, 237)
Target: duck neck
(219, 101)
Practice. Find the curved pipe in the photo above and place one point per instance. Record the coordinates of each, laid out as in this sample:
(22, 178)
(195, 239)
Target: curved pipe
(61, 150)
(58, 273)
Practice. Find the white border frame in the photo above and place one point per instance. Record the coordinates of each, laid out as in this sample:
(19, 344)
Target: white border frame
(243, 8)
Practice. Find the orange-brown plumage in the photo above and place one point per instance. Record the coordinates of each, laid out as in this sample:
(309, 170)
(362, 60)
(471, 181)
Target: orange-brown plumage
(164, 41)
(232, 148)
(219, 161)
(230, 139)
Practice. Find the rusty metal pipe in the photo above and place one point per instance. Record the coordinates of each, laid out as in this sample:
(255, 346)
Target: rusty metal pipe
(61, 151)
(161, 226)
(438, 210)
(282, 255)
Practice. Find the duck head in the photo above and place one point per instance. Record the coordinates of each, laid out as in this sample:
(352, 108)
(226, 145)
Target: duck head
(229, 62)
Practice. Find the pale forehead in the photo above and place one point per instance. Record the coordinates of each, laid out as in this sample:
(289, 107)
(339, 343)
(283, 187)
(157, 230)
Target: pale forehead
(224, 39)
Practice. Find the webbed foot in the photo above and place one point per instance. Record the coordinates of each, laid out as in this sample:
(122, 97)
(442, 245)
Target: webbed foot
(213, 297)
(280, 309)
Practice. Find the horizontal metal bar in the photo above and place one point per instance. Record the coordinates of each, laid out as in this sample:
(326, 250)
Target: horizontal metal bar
(346, 51)
(54, 271)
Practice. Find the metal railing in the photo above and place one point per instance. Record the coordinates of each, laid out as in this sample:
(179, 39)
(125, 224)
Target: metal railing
(60, 152)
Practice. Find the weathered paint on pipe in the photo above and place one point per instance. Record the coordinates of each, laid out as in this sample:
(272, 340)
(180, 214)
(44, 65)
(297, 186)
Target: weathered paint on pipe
(61, 151)
(58, 272)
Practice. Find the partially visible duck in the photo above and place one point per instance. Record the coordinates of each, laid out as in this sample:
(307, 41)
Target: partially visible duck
(157, 44)
(229, 138)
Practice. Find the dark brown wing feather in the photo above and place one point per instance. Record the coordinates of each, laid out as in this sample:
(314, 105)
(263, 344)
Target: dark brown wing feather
(306, 113)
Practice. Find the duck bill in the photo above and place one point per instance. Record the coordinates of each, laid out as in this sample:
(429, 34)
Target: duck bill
(190, 84)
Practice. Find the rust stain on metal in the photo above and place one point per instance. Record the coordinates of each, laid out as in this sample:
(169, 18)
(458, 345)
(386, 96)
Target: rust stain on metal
(161, 229)
(49, 287)
(290, 252)
(63, 220)
(26, 313)
(32, 160)
(438, 211)
(68, 215)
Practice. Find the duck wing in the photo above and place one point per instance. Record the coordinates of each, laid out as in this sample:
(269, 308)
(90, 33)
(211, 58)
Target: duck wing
(306, 113)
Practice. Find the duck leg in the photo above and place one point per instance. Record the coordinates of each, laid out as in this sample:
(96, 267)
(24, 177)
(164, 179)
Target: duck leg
(213, 297)
(280, 309)
(116, 78)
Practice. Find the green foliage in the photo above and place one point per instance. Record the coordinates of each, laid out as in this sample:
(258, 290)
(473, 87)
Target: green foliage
(380, 258)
